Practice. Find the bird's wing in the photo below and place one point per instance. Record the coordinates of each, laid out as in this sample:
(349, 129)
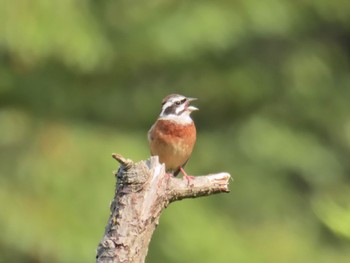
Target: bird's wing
(150, 135)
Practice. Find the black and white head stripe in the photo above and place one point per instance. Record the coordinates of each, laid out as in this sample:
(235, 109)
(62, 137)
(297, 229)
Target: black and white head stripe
(177, 108)
(174, 105)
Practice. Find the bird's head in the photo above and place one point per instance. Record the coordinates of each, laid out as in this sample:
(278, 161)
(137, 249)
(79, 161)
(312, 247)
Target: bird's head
(175, 106)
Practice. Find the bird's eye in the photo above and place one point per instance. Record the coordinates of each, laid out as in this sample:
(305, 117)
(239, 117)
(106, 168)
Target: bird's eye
(177, 103)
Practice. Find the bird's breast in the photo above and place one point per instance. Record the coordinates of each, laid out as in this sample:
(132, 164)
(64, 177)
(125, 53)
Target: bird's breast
(169, 131)
(172, 142)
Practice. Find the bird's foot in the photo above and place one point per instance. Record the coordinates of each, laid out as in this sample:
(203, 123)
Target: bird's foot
(168, 175)
(187, 177)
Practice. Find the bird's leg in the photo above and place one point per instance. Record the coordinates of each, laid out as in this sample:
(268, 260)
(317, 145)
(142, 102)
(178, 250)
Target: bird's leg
(186, 176)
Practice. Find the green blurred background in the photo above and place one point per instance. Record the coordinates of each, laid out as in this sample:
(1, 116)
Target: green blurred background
(81, 79)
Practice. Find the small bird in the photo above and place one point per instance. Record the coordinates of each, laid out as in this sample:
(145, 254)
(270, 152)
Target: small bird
(173, 135)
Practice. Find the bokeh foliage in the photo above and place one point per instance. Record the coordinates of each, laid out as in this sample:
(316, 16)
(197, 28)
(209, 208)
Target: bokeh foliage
(81, 79)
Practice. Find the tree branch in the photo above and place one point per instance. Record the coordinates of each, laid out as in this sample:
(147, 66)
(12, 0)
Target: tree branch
(199, 186)
(143, 190)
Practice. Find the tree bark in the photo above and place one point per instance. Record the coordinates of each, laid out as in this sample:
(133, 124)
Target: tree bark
(143, 190)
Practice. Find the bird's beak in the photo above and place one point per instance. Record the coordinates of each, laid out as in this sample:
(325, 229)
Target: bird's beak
(191, 108)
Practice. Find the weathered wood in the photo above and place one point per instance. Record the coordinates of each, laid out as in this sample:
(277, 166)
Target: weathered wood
(143, 190)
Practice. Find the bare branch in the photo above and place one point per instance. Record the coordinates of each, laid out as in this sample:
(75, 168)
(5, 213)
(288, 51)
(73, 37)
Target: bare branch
(199, 186)
(143, 190)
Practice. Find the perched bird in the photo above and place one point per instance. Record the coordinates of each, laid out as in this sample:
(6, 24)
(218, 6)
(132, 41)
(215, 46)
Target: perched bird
(173, 135)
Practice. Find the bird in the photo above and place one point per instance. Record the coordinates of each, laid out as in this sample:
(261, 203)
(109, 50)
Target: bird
(173, 135)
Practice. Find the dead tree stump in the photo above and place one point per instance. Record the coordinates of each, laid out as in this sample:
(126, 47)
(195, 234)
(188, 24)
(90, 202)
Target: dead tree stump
(143, 190)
